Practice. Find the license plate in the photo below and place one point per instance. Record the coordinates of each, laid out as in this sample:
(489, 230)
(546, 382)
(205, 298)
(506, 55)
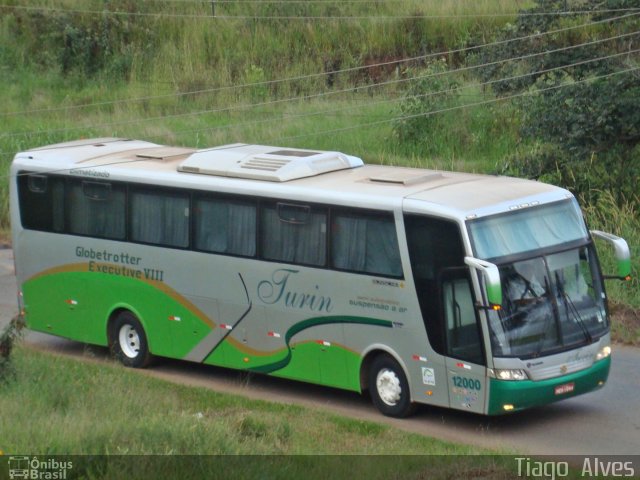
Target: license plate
(566, 388)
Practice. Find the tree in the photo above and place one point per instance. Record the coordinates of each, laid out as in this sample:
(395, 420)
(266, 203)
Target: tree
(583, 120)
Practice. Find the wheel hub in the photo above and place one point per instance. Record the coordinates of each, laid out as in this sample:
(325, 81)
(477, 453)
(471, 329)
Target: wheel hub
(129, 341)
(388, 385)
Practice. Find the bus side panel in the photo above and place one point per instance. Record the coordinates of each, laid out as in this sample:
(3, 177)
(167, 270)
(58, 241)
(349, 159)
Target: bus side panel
(55, 304)
(77, 304)
(321, 354)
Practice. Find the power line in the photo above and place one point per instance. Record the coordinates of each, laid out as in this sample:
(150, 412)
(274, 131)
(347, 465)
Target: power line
(538, 72)
(406, 117)
(476, 104)
(418, 96)
(325, 94)
(319, 17)
(333, 72)
(425, 17)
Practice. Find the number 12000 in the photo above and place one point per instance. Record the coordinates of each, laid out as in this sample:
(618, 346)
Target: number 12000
(469, 383)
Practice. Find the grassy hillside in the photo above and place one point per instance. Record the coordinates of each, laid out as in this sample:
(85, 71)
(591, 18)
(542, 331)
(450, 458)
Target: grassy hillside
(171, 73)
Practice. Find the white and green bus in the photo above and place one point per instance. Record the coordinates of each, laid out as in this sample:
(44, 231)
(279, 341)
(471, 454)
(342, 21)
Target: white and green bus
(474, 292)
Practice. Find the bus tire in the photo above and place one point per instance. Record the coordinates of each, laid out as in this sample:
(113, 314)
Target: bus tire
(129, 342)
(389, 388)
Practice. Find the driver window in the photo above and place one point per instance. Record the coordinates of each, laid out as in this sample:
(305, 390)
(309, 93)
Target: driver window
(461, 325)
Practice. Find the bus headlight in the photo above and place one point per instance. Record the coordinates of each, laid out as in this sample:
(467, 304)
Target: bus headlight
(603, 353)
(511, 374)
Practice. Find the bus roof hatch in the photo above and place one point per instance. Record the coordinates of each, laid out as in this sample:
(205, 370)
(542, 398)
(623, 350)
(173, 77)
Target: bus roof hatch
(261, 162)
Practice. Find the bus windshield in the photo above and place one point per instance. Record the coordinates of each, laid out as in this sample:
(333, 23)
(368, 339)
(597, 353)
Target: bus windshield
(527, 229)
(550, 303)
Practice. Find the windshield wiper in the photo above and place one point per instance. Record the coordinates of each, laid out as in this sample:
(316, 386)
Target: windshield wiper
(540, 345)
(570, 306)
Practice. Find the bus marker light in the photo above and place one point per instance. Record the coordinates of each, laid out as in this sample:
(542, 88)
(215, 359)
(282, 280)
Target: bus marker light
(428, 393)
(463, 365)
(508, 407)
(496, 307)
(71, 302)
(173, 318)
(603, 353)
(226, 327)
(418, 358)
(323, 342)
(246, 359)
(274, 334)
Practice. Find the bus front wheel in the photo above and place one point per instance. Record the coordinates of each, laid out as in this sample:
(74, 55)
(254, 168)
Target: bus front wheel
(389, 388)
(129, 342)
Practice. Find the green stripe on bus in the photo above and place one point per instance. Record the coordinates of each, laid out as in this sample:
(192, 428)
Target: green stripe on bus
(314, 322)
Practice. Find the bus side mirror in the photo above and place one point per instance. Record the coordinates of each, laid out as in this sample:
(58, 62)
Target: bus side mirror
(623, 255)
(491, 276)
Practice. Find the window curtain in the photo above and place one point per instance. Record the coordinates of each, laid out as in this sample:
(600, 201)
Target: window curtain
(366, 244)
(97, 217)
(526, 230)
(226, 227)
(303, 243)
(160, 219)
(58, 206)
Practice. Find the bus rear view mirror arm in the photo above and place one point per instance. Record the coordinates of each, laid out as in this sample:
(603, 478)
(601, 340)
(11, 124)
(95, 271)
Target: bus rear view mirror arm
(491, 276)
(623, 256)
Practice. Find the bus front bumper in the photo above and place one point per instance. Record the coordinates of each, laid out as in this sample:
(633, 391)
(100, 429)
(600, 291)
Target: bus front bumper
(511, 396)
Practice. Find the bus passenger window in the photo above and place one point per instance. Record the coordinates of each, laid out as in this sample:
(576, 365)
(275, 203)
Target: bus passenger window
(294, 234)
(96, 209)
(160, 218)
(41, 200)
(225, 226)
(365, 243)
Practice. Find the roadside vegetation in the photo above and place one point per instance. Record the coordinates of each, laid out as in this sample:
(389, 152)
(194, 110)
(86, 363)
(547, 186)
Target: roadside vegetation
(52, 405)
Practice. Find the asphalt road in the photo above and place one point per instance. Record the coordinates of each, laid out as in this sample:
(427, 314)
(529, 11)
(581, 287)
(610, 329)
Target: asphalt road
(606, 422)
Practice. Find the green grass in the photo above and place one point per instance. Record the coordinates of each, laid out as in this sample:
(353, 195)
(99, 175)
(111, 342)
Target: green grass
(52, 405)
(624, 297)
(103, 418)
(86, 407)
(623, 221)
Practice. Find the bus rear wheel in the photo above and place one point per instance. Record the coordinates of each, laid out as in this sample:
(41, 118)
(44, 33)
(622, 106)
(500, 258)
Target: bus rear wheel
(129, 342)
(389, 388)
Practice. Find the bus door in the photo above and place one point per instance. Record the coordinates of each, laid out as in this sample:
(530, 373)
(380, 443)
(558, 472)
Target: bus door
(446, 300)
(465, 358)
